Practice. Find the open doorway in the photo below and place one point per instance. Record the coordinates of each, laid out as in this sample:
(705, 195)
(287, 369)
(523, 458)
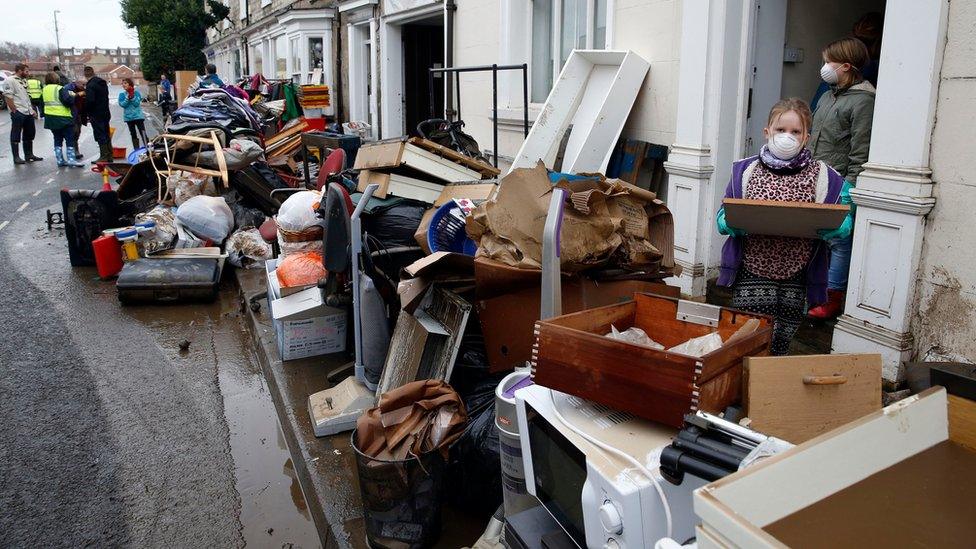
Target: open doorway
(785, 43)
(423, 49)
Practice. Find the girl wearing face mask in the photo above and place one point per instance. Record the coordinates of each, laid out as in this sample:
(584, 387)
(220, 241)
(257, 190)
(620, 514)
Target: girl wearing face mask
(841, 136)
(776, 275)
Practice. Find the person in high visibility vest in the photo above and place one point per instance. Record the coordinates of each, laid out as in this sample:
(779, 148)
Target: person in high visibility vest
(57, 106)
(34, 91)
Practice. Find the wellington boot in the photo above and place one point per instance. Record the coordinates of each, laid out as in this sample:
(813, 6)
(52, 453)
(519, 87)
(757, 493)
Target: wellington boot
(15, 149)
(72, 160)
(29, 152)
(831, 309)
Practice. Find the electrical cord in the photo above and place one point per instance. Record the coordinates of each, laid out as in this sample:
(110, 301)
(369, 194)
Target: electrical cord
(619, 453)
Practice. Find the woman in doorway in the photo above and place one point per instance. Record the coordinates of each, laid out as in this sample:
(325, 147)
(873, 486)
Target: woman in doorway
(131, 101)
(58, 101)
(778, 275)
(841, 137)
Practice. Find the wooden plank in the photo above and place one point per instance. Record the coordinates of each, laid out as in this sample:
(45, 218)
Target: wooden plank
(436, 166)
(485, 169)
(189, 138)
(785, 398)
(796, 219)
(195, 169)
(962, 421)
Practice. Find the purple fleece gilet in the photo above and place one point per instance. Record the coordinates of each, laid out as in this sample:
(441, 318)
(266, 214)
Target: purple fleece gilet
(816, 270)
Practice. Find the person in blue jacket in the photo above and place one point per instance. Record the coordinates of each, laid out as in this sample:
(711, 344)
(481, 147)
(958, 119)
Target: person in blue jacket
(131, 102)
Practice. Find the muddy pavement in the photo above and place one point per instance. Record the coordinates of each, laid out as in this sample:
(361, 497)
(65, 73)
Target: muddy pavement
(111, 435)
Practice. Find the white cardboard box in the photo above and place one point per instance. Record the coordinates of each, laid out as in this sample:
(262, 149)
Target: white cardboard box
(304, 325)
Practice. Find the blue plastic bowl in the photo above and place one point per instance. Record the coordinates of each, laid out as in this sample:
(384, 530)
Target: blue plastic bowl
(446, 231)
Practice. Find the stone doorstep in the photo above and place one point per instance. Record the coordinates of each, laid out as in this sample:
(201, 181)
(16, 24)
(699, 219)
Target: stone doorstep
(326, 467)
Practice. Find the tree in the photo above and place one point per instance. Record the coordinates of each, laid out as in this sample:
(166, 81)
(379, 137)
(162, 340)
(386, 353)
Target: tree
(172, 33)
(26, 51)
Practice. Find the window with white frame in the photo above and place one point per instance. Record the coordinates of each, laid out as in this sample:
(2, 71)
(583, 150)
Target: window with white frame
(280, 57)
(242, 9)
(559, 27)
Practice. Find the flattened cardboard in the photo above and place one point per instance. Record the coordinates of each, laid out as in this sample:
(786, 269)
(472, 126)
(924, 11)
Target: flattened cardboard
(838, 389)
(795, 219)
(420, 235)
(440, 263)
(476, 192)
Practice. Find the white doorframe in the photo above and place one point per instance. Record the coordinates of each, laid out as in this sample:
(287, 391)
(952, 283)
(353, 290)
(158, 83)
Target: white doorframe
(392, 122)
(361, 53)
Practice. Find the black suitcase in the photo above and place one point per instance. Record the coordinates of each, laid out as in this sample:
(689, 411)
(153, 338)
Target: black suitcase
(169, 280)
(86, 214)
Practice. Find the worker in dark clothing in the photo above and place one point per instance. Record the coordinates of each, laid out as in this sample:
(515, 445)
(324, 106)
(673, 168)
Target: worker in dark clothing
(62, 78)
(96, 107)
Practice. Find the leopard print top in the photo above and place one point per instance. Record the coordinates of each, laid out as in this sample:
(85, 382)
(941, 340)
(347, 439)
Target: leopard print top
(780, 257)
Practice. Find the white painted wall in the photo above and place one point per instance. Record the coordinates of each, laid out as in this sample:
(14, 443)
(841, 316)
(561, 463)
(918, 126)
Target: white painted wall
(811, 26)
(946, 321)
(650, 28)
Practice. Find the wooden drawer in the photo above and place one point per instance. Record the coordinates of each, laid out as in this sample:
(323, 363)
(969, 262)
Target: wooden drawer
(797, 398)
(573, 355)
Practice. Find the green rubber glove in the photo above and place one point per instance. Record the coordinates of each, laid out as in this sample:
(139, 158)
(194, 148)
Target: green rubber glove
(840, 232)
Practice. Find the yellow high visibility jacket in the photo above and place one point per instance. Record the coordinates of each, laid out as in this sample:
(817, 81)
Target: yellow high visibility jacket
(34, 88)
(52, 102)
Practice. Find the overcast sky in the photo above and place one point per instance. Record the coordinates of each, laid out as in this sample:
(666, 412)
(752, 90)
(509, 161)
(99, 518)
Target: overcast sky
(82, 23)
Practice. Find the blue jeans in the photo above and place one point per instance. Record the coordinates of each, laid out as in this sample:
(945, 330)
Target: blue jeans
(840, 263)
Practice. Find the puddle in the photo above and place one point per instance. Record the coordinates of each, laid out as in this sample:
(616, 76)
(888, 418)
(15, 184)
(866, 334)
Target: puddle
(274, 512)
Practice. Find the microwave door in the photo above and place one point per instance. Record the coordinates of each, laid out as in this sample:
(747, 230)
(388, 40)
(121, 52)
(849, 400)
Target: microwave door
(559, 470)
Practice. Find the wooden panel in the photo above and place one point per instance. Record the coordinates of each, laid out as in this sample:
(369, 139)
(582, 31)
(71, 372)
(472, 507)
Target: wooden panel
(609, 372)
(962, 421)
(382, 154)
(486, 170)
(799, 397)
(797, 219)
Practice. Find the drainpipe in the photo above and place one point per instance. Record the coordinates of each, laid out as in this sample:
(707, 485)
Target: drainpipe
(450, 6)
(337, 55)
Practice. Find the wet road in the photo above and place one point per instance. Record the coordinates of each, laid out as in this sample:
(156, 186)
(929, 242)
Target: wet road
(109, 434)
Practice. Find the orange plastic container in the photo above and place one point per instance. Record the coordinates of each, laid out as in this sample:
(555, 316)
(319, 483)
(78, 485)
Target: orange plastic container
(118, 152)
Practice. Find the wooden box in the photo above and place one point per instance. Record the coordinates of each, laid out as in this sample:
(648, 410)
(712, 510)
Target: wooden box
(850, 487)
(573, 355)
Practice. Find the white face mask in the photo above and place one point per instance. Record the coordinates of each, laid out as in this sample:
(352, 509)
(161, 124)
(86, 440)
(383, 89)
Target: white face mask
(829, 74)
(784, 145)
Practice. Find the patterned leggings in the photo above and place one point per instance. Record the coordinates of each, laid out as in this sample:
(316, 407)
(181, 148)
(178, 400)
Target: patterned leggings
(784, 300)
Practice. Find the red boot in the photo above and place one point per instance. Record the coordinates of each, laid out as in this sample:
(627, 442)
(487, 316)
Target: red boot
(831, 309)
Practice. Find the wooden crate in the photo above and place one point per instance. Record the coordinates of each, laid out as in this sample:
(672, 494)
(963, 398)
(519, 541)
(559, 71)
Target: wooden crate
(573, 355)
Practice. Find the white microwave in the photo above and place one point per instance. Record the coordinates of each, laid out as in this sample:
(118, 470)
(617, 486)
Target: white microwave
(600, 500)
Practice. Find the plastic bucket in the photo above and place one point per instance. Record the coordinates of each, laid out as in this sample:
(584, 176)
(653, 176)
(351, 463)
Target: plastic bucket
(401, 499)
(515, 496)
(118, 153)
(446, 232)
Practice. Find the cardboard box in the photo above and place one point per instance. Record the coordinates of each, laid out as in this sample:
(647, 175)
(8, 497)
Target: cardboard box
(304, 325)
(796, 219)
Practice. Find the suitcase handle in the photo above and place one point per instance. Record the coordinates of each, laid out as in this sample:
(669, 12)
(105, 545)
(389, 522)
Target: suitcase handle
(835, 379)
